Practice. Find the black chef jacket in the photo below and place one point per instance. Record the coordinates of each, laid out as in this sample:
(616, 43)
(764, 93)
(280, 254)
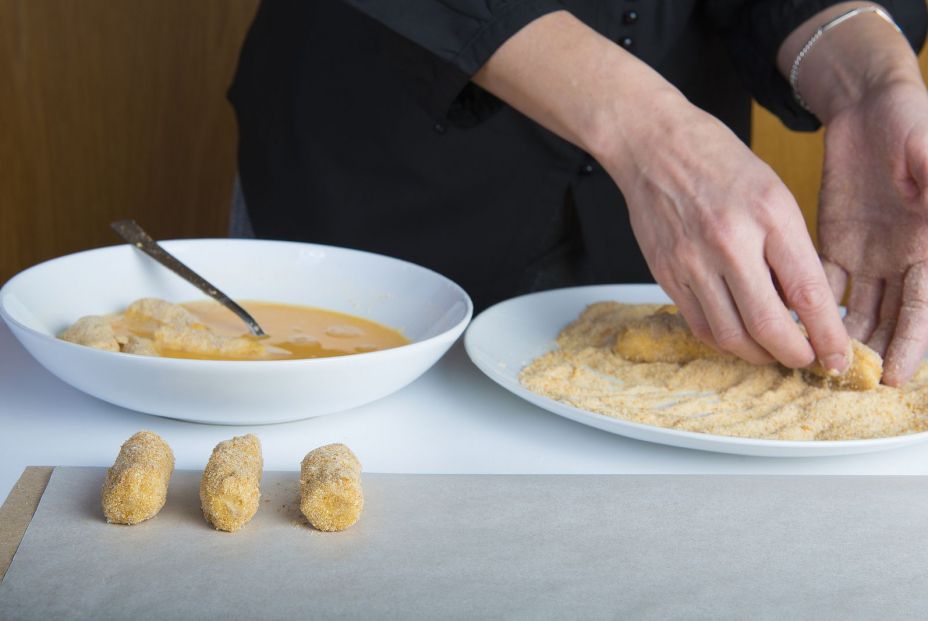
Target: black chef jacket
(359, 127)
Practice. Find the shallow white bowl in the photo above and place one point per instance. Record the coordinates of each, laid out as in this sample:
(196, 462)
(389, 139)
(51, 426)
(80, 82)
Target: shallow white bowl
(426, 307)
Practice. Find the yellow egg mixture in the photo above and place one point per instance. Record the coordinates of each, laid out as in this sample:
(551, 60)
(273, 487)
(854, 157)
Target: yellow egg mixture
(206, 330)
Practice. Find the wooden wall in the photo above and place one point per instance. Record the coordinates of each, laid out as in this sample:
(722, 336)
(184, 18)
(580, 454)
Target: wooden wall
(117, 109)
(114, 109)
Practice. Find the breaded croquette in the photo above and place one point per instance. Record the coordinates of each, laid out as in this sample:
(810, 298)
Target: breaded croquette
(159, 311)
(139, 346)
(661, 337)
(664, 337)
(230, 488)
(137, 485)
(330, 487)
(864, 371)
(200, 341)
(154, 327)
(93, 331)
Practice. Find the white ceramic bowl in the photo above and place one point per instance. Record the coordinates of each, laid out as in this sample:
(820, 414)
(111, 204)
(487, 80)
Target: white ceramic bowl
(426, 307)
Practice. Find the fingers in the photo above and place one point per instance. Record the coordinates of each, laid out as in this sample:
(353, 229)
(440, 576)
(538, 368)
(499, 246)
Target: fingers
(721, 312)
(910, 337)
(889, 312)
(794, 261)
(689, 307)
(863, 306)
(837, 279)
(917, 161)
(766, 318)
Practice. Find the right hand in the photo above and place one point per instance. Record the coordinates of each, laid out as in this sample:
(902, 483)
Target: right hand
(721, 233)
(713, 221)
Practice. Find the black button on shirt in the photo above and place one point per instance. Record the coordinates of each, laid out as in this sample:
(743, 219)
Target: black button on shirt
(346, 110)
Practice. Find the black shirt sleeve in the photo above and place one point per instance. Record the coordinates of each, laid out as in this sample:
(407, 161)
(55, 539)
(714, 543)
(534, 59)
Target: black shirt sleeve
(461, 36)
(756, 30)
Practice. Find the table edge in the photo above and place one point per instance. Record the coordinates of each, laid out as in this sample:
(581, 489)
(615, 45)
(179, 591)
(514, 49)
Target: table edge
(18, 509)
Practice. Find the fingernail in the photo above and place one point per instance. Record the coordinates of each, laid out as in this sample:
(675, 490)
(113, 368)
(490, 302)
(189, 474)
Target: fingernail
(835, 364)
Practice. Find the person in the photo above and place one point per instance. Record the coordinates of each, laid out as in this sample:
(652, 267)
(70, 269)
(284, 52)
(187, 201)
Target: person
(489, 140)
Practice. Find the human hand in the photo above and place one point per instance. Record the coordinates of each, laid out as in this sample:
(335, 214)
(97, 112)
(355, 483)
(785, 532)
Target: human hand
(716, 225)
(873, 222)
(720, 232)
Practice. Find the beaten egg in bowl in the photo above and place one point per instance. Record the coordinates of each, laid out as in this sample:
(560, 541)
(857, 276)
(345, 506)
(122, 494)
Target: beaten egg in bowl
(206, 330)
(425, 308)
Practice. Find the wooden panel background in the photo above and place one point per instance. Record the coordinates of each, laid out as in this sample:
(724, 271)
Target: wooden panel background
(117, 109)
(114, 109)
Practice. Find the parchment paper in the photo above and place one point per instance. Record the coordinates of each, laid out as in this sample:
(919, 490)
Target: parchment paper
(516, 547)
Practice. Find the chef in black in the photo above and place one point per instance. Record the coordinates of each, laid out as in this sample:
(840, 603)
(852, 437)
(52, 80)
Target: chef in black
(488, 140)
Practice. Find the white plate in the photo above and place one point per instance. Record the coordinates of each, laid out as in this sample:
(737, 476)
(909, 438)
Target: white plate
(508, 336)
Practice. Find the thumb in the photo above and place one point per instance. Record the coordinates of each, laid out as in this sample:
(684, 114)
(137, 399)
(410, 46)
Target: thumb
(916, 157)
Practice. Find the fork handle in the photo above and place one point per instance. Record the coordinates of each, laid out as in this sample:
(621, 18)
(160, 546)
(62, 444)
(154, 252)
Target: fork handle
(130, 231)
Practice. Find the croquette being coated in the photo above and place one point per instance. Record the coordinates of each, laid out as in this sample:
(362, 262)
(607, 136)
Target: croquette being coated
(330, 487)
(664, 336)
(661, 337)
(864, 370)
(230, 489)
(137, 485)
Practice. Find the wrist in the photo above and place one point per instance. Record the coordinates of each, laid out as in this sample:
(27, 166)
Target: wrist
(620, 132)
(860, 56)
(848, 78)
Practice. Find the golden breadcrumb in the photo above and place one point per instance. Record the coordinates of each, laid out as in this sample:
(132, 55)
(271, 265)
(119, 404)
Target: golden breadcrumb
(230, 489)
(330, 487)
(137, 485)
(716, 394)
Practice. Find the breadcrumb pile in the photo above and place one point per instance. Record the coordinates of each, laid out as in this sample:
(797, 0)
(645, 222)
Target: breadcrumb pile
(639, 362)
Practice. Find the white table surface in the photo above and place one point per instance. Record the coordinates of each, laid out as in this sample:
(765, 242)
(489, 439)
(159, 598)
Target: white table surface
(451, 420)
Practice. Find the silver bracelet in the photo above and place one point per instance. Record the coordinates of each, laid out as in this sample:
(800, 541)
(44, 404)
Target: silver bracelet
(840, 19)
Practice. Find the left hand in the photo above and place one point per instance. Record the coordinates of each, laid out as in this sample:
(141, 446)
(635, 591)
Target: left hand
(873, 222)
